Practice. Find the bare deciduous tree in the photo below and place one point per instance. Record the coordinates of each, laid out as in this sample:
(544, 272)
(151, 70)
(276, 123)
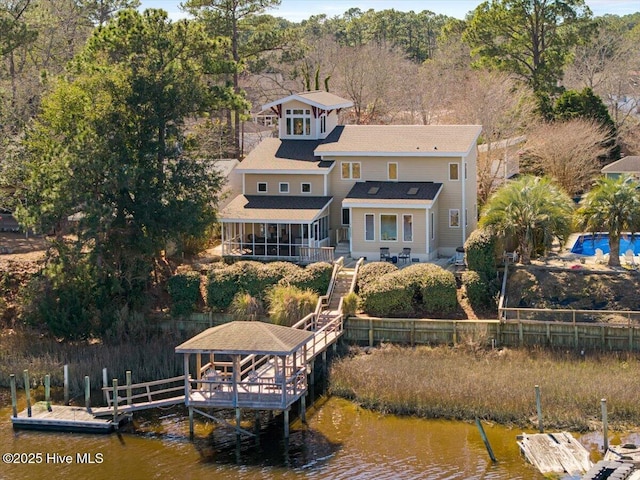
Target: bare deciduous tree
(567, 152)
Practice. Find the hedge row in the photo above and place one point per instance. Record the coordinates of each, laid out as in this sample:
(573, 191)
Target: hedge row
(417, 289)
(184, 290)
(254, 278)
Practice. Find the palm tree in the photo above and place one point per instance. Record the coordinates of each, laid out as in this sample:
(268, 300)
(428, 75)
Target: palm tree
(612, 205)
(530, 209)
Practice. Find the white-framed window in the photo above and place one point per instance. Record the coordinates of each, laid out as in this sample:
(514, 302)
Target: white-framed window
(454, 218)
(262, 187)
(392, 171)
(454, 171)
(323, 124)
(407, 228)
(305, 187)
(284, 187)
(432, 227)
(350, 170)
(369, 227)
(298, 122)
(346, 216)
(388, 227)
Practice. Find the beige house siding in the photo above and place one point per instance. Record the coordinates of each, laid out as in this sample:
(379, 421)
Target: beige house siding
(371, 249)
(273, 181)
(434, 169)
(471, 186)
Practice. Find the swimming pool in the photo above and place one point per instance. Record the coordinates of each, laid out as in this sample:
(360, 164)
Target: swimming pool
(587, 243)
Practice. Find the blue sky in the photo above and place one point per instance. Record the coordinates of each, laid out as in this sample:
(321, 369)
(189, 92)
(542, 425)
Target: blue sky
(297, 10)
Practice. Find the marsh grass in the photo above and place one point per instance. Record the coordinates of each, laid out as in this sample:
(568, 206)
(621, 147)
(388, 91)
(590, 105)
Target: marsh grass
(150, 359)
(495, 385)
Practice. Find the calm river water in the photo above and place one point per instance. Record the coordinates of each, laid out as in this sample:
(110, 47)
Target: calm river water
(341, 441)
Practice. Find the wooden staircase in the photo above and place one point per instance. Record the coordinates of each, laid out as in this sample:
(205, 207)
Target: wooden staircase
(341, 287)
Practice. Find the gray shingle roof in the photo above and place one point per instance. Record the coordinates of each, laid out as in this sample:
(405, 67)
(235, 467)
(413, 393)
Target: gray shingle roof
(409, 140)
(394, 190)
(626, 164)
(265, 208)
(245, 338)
(276, 154)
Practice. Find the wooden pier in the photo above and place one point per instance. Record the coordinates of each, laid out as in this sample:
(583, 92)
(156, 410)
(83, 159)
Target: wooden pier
(555, 453)
(241, 364)
(64, 418)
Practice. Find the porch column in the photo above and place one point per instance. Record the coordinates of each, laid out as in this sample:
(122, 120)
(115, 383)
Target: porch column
(222, 237)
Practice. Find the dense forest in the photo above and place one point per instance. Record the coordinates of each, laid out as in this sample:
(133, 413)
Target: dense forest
(114, 116)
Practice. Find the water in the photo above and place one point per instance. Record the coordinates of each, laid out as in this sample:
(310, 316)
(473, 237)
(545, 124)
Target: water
(342, 441)
(586, 244)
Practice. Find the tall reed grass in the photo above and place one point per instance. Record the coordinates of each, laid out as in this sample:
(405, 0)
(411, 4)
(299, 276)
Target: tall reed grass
(496, 385)
(151, 359)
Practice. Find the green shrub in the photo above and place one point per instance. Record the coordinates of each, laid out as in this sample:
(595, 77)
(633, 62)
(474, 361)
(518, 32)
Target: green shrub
(245, 307)
(315, 277)
(222, 286)
(184, 290)
(480, 292)
(288, 303)
(370, 272)
(387, 297)
(438, 288)
(480, 251)
(415, 289)
(350, 304)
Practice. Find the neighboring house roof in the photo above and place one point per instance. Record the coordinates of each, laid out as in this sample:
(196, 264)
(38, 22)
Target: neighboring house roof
(318, 98)
(284, 155)
(629, 164)
(419, 194)
(274, 208)
(400, 140)
(245, 338)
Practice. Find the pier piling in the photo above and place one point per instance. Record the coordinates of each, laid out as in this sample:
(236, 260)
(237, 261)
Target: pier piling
(47, 391)
(14, 396)
(27, 391)
(87, 393)
(605, 425)
(66, 384)
(539, 409)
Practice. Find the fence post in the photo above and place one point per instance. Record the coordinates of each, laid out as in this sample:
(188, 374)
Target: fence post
(105, 384)
(128, 376)
(575, 332)
(14, 396)
(87, 393)
(371, 332)
(454, 336)
(66, 384)
(520, 332)
(47, 391)
(115, 402)
(27, 391)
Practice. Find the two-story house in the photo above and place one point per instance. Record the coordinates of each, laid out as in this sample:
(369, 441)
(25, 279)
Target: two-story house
(367, 186)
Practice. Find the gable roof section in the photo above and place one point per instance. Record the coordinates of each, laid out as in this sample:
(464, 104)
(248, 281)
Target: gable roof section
(392, 194)
(630, 164)
(400, 140)
(284, 155)
(318, 98)
(274, 208)
(245, 338)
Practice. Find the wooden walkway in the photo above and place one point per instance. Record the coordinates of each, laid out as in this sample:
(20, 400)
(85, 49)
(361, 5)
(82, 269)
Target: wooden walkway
(555, 453)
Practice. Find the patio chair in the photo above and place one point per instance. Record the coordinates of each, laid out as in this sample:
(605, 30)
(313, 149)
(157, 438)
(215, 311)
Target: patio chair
(405, 255)
(385, 256)
(599, 256)
(629, 258)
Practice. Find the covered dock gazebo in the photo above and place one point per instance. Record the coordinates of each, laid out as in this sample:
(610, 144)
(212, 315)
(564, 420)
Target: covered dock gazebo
(242, 364)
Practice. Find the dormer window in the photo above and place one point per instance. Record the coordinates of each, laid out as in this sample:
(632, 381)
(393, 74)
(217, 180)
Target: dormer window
(298, 122)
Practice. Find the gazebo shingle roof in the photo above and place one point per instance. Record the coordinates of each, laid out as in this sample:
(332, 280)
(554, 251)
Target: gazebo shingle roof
(629, 164)
(245, 338)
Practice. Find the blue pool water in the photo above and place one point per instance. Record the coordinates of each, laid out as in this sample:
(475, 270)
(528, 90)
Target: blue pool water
(586, 244)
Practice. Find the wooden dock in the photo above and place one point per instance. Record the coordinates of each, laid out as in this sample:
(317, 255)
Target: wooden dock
(63, 418)
(555, 453)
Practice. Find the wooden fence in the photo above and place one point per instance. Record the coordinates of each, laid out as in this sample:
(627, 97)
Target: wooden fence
(588, 336)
